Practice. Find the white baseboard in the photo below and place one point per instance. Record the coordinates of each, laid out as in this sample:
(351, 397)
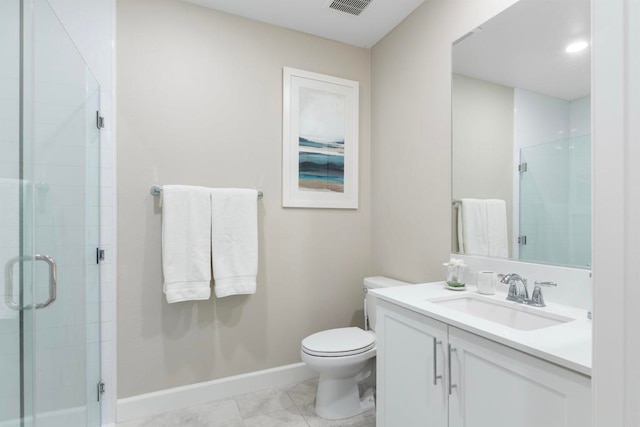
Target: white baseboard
(150, 404)
(67, 416)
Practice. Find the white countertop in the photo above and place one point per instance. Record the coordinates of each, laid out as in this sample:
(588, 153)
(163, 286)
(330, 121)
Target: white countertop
(567, 345)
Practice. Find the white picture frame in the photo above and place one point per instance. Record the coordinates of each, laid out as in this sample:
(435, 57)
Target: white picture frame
(319, 141)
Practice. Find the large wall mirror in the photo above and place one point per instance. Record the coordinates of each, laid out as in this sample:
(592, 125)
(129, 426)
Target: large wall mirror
(521, 184)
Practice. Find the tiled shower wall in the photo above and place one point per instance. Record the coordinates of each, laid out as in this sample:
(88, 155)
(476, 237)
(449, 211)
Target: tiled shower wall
(91, 25)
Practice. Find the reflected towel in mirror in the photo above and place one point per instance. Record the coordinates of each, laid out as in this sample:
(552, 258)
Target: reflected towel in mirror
(482, 227)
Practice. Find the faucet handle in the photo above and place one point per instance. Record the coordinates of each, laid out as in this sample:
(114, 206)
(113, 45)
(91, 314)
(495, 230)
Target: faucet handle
(505, 278)
(545, 284)
(537, 300)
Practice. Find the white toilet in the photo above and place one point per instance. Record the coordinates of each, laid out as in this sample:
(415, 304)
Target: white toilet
(343, 357)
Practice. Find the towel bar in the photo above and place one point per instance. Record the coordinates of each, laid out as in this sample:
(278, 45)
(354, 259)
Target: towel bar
(156, 190)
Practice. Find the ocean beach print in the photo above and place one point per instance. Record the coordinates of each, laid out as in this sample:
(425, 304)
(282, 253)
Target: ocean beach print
(330, 146)
(321, 172)
(321, 141)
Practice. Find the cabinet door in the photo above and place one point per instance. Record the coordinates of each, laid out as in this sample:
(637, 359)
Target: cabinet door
(497, 386)
(408, 393)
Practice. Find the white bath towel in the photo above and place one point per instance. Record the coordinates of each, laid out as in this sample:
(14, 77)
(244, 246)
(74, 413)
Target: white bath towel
(474, 227)
(497, 228)
(484, 227)
(186, 242)
(234, 240)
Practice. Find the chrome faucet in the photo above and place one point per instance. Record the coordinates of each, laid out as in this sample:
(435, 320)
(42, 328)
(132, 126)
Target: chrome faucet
(517, 287)
(518, 291)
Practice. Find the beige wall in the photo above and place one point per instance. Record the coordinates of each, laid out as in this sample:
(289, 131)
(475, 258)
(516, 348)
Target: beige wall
(482, 118)
(411, 137)
(199, 102)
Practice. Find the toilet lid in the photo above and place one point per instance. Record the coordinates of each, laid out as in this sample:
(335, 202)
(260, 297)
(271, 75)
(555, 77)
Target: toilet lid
(338, 342)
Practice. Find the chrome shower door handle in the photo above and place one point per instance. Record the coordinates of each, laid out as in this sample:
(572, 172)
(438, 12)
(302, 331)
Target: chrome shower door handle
(8, 281)
(436, 377)
(8, 284)
(53, 280)
(451, 386)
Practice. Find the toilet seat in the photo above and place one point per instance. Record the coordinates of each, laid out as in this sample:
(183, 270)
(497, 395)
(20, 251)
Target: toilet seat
(339, 342)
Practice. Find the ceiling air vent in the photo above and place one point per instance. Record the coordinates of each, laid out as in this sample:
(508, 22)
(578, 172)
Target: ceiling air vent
(352, 7)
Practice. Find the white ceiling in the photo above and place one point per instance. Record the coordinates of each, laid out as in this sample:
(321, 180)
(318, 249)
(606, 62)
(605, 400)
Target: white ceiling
(310, 16)
(524, 47)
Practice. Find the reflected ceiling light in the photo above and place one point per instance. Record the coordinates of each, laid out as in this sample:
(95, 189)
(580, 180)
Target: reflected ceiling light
(577, 47)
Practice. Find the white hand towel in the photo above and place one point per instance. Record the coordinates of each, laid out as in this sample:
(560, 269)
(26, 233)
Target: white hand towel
(484, 227)
(234, 240)
(474, 227)
(186, 244)
(498, 241)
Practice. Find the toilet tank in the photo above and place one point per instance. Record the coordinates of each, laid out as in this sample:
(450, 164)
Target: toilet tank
(370, 300)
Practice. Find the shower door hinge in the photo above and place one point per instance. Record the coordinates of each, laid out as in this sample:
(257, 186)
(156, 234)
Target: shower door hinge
(99, 120)
(522, 167)
(100, 390)
(99, 255)
(522, 240)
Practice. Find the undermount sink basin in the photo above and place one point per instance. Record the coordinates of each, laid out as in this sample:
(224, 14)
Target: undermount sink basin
(505, 313)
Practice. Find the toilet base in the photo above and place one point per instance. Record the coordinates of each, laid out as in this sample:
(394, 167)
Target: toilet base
(338, 393)
(340, 398)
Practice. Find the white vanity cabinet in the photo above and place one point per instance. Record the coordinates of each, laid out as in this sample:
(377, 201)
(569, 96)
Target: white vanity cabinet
(492, 385)
(411, 369)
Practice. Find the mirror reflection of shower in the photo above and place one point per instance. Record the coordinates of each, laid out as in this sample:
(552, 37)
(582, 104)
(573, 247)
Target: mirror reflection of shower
(522, 134)
(554, 185)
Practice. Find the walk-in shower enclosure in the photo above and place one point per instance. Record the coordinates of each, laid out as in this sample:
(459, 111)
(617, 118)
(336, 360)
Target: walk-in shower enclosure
(49, 223)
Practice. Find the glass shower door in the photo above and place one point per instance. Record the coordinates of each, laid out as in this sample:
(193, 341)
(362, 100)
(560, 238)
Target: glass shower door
(50, 227)
(555, 202)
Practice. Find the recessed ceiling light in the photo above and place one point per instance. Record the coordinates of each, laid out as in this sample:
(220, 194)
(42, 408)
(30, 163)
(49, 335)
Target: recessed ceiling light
(577, 47)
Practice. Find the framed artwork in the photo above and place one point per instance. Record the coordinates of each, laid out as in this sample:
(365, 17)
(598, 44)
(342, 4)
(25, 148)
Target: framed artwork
(320, 141)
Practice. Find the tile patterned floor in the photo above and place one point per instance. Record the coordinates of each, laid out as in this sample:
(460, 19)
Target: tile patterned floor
(291, 406)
